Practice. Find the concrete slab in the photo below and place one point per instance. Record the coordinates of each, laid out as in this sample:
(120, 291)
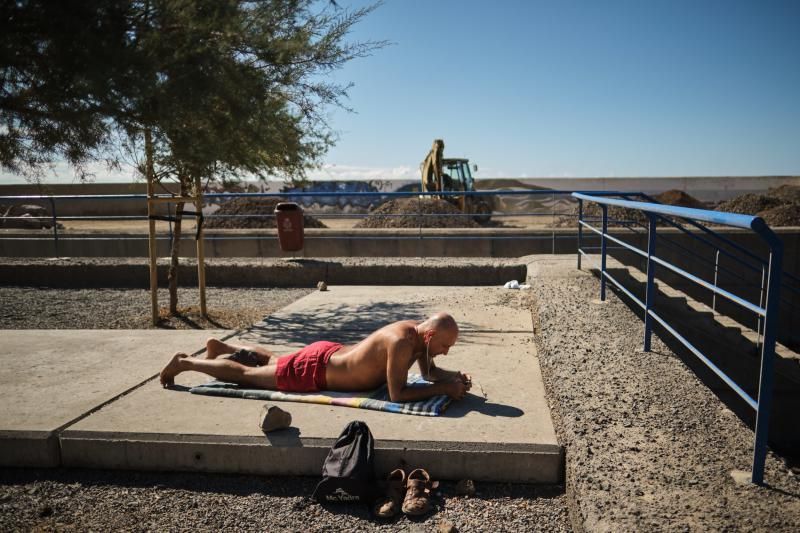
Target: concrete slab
(501, 432)
(49, 379)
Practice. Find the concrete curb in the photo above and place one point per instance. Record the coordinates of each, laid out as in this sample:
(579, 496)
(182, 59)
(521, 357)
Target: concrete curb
(76, 273)
(295, 456)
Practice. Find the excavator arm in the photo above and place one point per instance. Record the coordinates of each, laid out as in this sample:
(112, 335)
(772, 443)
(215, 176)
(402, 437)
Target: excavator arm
(432, 168)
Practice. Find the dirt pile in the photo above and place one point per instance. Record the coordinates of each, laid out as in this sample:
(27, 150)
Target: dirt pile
(779, 206)
(26, 216)
(679, 198)
(251, 206)
(617, 215)
(415, 213)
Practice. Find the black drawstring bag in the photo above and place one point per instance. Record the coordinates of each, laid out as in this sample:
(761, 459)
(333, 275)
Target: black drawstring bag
(348, 475)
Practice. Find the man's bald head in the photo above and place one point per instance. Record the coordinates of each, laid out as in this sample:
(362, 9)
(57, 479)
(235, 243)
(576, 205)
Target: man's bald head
(440, 324)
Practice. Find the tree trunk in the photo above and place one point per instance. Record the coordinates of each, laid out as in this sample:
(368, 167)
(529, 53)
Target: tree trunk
(172, 277)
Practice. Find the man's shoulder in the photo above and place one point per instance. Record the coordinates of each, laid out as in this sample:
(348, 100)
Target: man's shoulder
(402, 328)
(401, 337)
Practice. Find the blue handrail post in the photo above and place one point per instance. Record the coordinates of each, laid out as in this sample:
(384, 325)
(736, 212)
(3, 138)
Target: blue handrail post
(651, 267)
(55, 225)
(580, 231)
(767, 360)
(603, 254)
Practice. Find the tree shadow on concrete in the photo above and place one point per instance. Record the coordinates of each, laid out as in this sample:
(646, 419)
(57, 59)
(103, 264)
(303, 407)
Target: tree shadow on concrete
(342, 323)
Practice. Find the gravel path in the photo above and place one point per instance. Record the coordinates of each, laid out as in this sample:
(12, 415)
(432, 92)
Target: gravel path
(228, 308)
(648, 446)
(83, 500)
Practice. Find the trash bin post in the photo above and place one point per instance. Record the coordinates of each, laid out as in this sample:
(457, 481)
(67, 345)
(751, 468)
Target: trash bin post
(289, 219)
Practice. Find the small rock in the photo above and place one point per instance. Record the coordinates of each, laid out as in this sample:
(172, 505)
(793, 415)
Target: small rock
(322, 286)
(465, 487)
(740, 477)
(445, 526)
(45, 511)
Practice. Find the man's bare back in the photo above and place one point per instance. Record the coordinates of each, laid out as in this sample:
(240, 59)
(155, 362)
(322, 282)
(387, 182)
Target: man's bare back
(363, 366)
(385, 356)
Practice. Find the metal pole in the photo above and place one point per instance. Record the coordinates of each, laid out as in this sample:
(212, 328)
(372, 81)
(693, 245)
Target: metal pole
(169, 220)
(649, 293)
(151, 238)
(716, 276)
(580, 231)
(553, 224)
(603, 254)
(767, 361)
(761, 304)
(55, 225)
(201, 254)
(419, 223)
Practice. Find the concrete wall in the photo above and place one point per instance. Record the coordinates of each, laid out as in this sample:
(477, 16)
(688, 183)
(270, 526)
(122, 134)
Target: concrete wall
(318, 243)
(266, 273)
(93, 207)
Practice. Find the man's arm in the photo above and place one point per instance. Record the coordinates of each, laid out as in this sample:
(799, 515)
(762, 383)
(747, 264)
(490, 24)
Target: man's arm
(436, 374)
(399, 358)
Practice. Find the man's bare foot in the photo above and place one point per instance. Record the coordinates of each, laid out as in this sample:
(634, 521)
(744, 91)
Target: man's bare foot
(172, 369)
(215, 348)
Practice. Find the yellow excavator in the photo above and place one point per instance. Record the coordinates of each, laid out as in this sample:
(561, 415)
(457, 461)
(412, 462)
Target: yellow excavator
(453, 174)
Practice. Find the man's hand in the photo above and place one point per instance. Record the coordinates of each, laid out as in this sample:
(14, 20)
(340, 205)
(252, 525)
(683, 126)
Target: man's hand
(466, 379)
(456, 389)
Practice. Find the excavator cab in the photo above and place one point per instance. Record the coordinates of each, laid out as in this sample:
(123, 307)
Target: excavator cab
(454, 174)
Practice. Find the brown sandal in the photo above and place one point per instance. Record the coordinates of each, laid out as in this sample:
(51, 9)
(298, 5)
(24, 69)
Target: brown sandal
(389, 505)
(418, 493)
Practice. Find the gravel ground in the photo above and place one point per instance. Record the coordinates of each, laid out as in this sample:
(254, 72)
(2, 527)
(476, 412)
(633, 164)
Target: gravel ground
(82, 500)
(648, 446)
(228, 308)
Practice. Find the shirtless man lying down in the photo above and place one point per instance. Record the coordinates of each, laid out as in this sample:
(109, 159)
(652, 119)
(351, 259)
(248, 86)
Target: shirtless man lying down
(385, 356)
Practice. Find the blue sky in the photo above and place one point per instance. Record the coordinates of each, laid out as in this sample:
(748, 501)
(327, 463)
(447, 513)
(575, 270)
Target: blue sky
(573, 88)
(577, 88)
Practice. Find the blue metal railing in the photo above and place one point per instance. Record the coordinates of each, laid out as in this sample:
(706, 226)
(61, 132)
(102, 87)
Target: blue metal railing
(767, 312)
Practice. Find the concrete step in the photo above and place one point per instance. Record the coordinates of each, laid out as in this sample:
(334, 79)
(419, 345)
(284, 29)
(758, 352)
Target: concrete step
(703, 311)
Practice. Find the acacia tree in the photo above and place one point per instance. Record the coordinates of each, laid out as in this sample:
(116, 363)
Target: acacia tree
(209, 89)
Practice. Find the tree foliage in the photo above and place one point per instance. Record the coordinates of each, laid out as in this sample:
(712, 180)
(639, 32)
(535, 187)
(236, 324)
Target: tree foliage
(226, 87)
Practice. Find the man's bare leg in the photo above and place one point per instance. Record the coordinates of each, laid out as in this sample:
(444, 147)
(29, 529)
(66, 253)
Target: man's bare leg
(216, 347)
(262, 377)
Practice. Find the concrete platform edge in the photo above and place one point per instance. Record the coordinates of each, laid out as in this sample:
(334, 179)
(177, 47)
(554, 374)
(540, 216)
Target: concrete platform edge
(495, 462)
(29, 448)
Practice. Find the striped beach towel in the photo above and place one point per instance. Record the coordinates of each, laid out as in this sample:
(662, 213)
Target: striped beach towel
(377, 400)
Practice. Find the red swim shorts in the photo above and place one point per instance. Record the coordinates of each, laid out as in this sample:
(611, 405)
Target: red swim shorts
(304, 371)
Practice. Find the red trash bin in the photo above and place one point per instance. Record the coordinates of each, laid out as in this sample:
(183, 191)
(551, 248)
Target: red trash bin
(289, 218)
